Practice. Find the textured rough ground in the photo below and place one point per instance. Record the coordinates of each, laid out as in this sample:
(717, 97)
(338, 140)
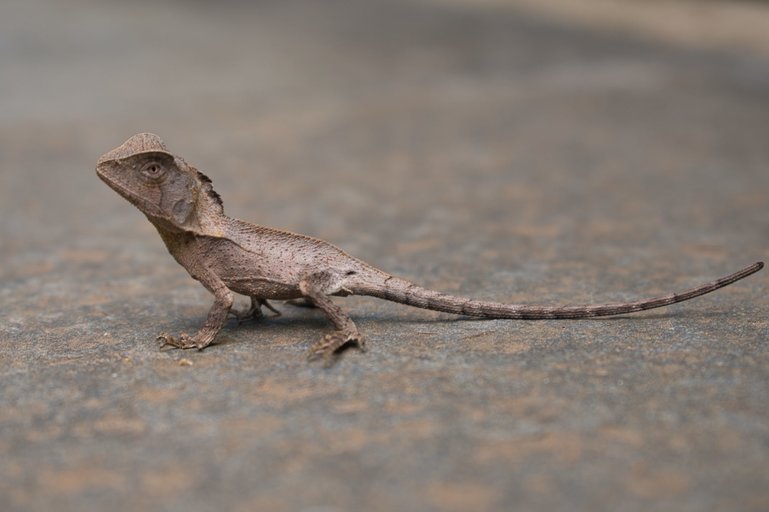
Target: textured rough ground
(484, 152)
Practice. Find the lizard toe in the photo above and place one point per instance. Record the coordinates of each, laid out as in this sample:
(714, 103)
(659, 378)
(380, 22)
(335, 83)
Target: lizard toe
(183, 341)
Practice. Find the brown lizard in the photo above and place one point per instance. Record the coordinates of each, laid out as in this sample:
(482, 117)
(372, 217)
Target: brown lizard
(232, 256)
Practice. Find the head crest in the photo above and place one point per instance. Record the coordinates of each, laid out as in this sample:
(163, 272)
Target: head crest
(139, 143)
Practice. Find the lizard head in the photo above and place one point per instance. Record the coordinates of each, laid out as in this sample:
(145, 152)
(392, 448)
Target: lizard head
(163, 186)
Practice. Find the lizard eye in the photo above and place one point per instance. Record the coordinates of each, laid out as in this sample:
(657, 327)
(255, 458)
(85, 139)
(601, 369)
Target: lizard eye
(153, 170)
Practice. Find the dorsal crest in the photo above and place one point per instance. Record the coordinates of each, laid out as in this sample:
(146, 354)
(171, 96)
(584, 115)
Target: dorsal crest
(207, 188)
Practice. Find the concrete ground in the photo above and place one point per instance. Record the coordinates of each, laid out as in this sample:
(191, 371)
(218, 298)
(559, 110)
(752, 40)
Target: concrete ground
(477, 148)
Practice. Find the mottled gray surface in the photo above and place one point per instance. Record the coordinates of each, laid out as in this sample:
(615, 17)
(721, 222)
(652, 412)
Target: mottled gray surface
(478, 152)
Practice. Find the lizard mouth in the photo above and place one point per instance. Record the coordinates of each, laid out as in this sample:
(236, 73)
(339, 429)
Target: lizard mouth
(106, 169)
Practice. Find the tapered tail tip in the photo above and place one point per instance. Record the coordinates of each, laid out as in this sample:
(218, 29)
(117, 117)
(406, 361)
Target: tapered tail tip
(751, 269)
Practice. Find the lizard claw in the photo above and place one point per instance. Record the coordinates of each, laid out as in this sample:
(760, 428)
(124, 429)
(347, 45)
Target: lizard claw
(165, 340)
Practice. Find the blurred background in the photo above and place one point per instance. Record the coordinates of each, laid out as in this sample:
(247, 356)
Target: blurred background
(519, 150)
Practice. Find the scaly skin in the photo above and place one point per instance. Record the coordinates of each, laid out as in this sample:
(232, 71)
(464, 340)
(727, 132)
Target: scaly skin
(230, 256)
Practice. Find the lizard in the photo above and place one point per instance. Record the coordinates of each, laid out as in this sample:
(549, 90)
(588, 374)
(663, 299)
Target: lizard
(230, 256)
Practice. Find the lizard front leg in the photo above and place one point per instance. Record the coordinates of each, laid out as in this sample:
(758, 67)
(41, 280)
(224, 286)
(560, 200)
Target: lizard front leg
(217, 315)
(346, 332)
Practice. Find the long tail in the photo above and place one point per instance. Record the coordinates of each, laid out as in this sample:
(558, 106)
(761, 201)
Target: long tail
(405, 292)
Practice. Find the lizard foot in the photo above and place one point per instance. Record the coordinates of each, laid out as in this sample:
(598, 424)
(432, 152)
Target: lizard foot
(249, 314)
(184, 341)
(254, 312)
(329, 344)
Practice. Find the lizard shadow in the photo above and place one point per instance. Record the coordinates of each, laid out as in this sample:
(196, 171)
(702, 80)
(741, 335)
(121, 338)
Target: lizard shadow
(315, 319)
(302, 322)
(271, 326)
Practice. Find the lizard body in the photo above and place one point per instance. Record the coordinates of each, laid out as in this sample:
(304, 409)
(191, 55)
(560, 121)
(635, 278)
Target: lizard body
(230, 256)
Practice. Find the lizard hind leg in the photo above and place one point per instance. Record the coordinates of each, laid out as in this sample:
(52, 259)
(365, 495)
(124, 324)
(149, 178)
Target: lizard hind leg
(346, 331)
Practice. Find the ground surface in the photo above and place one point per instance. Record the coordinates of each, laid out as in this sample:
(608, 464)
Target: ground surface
(478, 150)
